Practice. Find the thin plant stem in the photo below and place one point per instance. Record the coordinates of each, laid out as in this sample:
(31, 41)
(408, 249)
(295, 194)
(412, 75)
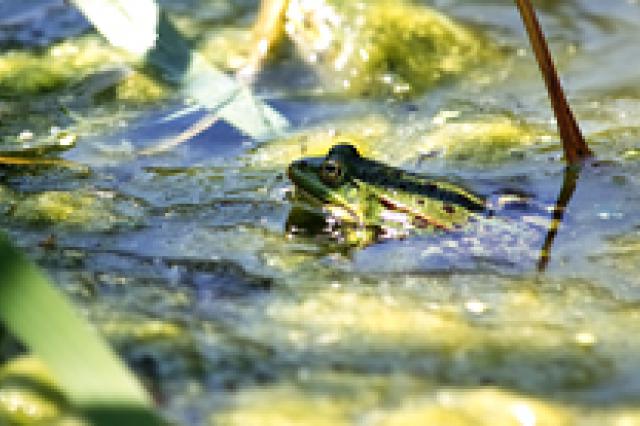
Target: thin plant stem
(574, 146)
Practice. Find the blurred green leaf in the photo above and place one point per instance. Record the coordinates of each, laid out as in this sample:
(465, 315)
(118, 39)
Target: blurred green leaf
(142, 29)
(90, 375)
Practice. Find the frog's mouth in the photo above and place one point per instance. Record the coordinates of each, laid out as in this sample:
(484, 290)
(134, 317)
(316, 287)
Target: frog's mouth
(307, 198)
(307, 186)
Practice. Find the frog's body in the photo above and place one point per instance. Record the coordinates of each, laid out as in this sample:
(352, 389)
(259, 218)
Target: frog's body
(372, 200)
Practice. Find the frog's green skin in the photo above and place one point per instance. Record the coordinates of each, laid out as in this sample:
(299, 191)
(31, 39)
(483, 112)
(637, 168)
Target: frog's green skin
(376, 200)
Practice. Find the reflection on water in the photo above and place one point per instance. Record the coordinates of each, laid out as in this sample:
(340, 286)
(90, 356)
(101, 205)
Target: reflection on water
(571, 176)
(182, 261)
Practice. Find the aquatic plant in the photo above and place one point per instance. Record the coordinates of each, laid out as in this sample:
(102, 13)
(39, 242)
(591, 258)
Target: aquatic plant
(86, 371)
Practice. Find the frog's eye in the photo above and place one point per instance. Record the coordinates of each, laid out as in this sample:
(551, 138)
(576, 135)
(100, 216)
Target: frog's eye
(331, 172)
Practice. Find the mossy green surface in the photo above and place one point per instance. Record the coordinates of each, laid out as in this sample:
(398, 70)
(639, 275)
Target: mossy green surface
(29, 396)
(365, 133)
(40, 71)
(465, 138)
(488, 140)
(59, 66)
(382, 48)
(81, 209)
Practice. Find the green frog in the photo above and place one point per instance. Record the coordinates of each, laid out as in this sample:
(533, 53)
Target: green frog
(361, 201)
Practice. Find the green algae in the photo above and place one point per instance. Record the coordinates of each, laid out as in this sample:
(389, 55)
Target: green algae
(367, 49)
(55, 68)
(29, 396)
(336, 397)
(227, 48)
(82, 209)
(349, 324)
(345, 399)
(139, 88)
(365, 133)
(451, 135)
(35, 72)
(475, 407)
(23, 73)
(487, 140)
(382, 48)
(47, 95)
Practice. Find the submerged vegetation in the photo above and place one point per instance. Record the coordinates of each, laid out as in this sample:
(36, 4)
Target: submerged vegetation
(153, 189)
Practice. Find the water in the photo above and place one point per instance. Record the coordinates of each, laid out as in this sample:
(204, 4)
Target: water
(38, 22)
(181, 259)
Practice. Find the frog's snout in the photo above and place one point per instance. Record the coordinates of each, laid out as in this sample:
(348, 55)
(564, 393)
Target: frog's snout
(298, 165)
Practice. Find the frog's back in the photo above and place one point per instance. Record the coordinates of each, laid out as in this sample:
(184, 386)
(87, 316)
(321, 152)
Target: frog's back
(397, 180)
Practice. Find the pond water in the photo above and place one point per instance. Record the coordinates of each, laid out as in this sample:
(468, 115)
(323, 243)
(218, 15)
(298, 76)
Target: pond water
(182, 261)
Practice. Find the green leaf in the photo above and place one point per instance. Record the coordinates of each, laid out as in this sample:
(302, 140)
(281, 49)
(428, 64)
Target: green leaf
(90, 375)
(143, 30)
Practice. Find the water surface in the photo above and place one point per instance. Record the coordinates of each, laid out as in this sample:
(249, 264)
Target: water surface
(182, 260)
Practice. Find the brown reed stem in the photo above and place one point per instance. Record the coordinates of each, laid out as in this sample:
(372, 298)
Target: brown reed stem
(574, 146)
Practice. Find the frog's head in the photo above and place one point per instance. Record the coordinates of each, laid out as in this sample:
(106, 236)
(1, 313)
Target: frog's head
(328, 187)
(321, 179)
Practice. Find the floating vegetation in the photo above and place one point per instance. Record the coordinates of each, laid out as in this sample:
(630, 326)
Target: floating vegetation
(63, 66)
(337, 397)
(381, 48)
(80, 209)
(491, 139)
(452, 135)
(365, 133)
(35, 72)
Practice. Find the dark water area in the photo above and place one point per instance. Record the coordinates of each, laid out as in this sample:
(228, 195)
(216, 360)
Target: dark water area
(38, 23)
